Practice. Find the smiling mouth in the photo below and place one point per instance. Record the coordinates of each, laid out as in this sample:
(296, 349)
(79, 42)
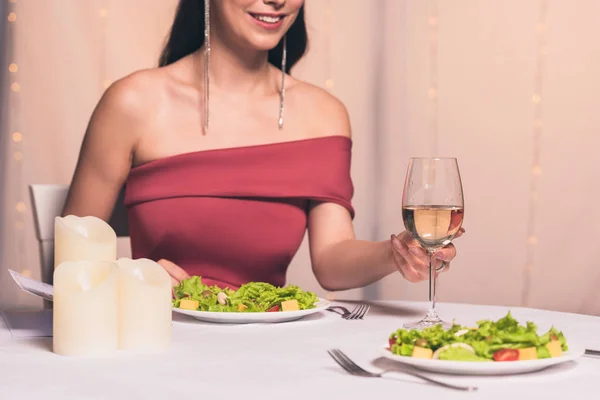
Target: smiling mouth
(267, 19)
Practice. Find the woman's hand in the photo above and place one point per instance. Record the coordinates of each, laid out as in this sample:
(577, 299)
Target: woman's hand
(176, 273)
(413, 261)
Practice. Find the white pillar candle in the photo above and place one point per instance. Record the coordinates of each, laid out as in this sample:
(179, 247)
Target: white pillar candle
(144, 306)
(83, 238)
(85, 309)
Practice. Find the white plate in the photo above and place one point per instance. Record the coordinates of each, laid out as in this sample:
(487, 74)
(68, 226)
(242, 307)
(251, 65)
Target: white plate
(485, 368)
(253, 317)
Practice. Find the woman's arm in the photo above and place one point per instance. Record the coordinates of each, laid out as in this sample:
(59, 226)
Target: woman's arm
(339, 260)
(342, 262)
(107, 150)
(123, 115)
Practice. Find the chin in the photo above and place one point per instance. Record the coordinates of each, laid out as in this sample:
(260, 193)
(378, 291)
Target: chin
(263, 43)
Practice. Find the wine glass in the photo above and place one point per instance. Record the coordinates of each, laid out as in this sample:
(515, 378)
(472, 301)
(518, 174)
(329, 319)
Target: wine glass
(432, 210)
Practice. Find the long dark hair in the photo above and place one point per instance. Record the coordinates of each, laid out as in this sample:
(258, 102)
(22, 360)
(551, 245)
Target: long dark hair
(187, 36)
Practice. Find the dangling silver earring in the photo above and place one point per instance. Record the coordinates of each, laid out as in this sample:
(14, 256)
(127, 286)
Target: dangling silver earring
(282, 93)
(206, 62)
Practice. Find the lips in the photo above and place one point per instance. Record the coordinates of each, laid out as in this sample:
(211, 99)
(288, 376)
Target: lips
(268, 21)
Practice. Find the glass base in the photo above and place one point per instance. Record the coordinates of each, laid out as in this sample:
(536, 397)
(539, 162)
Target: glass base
(431, 319)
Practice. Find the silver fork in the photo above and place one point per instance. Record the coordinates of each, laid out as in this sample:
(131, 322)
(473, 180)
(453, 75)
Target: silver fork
(344, 310)
(358, 312)
(354, 369)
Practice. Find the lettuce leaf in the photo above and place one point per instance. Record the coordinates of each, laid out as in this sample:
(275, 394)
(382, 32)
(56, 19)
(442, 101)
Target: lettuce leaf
(488, 337)
(255, 296)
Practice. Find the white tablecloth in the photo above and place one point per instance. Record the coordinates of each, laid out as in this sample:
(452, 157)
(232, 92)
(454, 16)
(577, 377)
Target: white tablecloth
(287, 361)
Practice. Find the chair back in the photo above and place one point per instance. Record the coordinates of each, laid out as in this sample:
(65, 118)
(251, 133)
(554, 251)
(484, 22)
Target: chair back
(47, 202)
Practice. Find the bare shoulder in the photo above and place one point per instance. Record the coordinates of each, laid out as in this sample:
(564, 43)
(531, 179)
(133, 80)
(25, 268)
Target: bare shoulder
(136, 94)
(128, 108)
(324, 111)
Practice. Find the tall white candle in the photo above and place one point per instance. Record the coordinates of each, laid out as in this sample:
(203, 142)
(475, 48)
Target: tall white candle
(83, 238)
(85, 308)
(144, 306)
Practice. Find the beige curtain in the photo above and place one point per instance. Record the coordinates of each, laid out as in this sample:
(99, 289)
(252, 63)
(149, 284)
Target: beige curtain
(510, 88)
(67, 51)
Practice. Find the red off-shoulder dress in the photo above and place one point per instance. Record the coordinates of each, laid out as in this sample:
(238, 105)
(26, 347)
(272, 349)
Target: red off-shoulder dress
(239, 214)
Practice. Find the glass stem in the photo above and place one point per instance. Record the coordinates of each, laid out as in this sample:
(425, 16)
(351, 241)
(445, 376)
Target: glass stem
(432, 279)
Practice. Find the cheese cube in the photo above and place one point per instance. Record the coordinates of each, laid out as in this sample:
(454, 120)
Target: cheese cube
(529, 353)
(186, 304)
(242, 307)
(554, 348)
(290, 305)
(422, 352)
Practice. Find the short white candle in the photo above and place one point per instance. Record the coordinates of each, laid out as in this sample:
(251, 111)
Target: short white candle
(144, 306)
(83, 239)
(85, 308)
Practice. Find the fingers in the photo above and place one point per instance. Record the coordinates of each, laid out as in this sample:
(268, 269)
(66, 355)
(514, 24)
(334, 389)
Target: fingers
(416, 250)
(407, 272)
(446, 254)
(411, 267)
(174, 282)
(459, 233)
(400, 252)
(413, 261)
(176, 272)
(420, 258)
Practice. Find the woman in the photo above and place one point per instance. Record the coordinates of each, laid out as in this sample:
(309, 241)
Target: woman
(228, 160)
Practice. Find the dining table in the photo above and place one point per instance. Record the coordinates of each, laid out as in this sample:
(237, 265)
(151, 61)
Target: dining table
(289, 360)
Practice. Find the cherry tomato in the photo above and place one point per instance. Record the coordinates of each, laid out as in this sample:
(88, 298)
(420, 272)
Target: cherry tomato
(392, 341)
(274, 308)
(506, 355)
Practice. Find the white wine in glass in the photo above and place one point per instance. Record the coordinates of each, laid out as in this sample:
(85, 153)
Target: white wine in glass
(432, 210)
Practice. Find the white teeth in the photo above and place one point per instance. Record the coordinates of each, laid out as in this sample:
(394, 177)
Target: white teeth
(267, 19)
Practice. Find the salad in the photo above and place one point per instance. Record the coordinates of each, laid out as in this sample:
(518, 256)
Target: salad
(192, 294)
(490, 341)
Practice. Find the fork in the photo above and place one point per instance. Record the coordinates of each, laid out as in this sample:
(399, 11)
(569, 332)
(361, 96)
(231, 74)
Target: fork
(354, 369)
(589, 352)
(358, 312)
(334, 309)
